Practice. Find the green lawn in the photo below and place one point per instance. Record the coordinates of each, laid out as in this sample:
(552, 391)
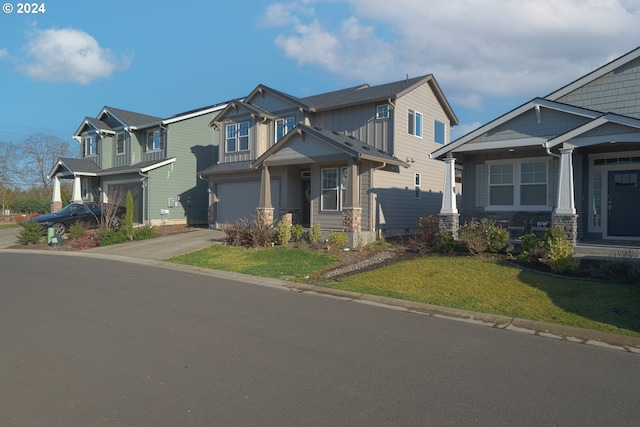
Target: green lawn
(2, 226)
(277, 262)
(486, 285)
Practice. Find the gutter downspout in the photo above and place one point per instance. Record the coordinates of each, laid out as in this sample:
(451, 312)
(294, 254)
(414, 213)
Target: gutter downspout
(145, 198)
(372, 225)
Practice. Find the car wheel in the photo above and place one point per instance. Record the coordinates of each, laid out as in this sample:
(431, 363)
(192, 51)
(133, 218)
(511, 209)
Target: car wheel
(59, 228)
(115, 222)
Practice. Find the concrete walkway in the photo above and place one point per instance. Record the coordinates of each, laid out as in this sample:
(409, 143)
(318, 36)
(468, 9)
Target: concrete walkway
(9, 237)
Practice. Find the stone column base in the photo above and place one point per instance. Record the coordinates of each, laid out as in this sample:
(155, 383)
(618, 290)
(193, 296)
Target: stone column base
(569, 223)
(351, 220)
(264, 215)
(56, 206)
(450, 222)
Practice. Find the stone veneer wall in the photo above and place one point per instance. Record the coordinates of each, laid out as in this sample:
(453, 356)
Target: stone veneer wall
(570, 225)
(351, 220)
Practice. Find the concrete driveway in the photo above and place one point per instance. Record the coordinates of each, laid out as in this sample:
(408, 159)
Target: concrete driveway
(9, 237)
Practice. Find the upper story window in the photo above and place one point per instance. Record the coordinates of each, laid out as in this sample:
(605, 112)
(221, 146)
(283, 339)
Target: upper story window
(237, 137)
(518, 185)
(284, 126)
(120, 143)
(90, 145)
(439, 136)
(154, 140)
(382, 111)
(415, 123)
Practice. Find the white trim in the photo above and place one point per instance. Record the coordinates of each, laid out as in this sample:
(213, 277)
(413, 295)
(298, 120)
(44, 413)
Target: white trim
(158, 165)
(517, 175)
(194, 114)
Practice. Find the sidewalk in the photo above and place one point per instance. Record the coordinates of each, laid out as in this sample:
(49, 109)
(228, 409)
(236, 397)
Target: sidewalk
(9, 237)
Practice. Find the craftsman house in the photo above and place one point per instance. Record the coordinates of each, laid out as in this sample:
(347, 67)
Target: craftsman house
(154, 158)
(354, 160)
(571, 158)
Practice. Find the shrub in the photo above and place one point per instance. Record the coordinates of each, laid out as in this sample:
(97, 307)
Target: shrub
(484, 236)
(443, 242)
(144, 233)
(110, 236)
(524, 257)
(31, 233)
(337, 241)
(618, 270)
(315, 233)
(249, 234)
(297, 231)
(561, 251)
(32, 203)
(76, 230)
(283, 232)
(529, 241)
(429, 224)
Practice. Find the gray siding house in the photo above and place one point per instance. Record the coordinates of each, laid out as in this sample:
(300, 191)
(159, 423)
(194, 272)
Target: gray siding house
(571, 158)
(154, 158)
(353, 160)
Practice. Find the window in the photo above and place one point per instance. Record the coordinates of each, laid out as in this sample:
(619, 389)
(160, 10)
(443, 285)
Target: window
(517, 185)
(237, 137)
(334, 189)
(438, 132)
(120, 143)
(501, 185)
(284, 126)
(89, 144)
(154, 140)
(415, 123)
(417, 182)
(533, 184)
(382, 111)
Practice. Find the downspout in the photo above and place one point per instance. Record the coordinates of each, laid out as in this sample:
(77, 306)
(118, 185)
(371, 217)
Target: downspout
(557, 156)
(145, 198)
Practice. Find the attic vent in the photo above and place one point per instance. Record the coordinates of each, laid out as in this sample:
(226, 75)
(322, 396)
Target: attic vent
(349, 143)
(305, 174)
(351, 136)
(317, 128)
(366, 147)
(336, 133)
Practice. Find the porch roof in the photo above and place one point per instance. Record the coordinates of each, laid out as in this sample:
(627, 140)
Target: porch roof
(347, 144)
(227, 168)
(69, 167)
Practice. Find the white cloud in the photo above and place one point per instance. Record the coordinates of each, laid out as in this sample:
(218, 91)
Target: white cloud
(4, 54)
(69, 55)
(475, 49)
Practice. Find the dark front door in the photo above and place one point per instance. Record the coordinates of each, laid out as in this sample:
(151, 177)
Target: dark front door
(306, 203)
(623, 205)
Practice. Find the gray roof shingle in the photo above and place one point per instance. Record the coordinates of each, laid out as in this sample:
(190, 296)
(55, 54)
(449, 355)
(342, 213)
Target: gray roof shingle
(131, 118)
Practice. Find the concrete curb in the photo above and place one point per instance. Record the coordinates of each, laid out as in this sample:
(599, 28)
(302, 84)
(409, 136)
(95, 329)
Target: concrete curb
(542, 329)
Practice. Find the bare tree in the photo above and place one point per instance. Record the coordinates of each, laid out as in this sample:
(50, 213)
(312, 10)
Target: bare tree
(9, 158)
(40, 154)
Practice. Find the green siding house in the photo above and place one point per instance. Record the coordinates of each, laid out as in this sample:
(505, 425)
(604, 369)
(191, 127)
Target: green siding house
(154, 158)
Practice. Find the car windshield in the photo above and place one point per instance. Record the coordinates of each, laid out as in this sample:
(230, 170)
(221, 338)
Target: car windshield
(68, 210)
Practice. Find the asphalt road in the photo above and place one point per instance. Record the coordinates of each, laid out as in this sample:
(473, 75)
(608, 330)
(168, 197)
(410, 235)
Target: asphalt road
(90, 342)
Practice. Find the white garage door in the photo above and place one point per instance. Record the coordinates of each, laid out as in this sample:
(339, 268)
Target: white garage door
(238, 200)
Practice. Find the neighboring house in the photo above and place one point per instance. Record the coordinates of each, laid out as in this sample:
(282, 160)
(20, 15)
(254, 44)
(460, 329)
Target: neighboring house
(353, 160)
(154, 158)
(571, 158)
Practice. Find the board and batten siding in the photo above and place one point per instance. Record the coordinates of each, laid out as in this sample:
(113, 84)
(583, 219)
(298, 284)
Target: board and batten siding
(359, 122)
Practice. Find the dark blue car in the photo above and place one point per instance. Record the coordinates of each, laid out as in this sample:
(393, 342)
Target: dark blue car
(89, 214)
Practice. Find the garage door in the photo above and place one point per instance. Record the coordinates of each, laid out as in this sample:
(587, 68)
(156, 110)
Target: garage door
(238, 200)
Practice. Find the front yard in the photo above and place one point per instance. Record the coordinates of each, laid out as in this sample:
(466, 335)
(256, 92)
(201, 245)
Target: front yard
(483, 284)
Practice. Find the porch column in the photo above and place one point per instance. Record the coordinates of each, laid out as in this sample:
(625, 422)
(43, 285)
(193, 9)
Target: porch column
(265, 208)
(351, 209)
(56, 199)
(76, 196)
(449, 190)
(566, 203)
(449, 218)
(564, 215)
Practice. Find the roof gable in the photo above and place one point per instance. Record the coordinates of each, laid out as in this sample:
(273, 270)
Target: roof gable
(90, 123)
(130, 119)
(337, 142)
(234, 107)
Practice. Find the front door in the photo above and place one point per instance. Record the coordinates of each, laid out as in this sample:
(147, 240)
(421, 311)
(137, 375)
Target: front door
(306, 203)
(623, 204)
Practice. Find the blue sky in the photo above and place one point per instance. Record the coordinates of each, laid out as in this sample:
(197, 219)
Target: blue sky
(165, 57)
